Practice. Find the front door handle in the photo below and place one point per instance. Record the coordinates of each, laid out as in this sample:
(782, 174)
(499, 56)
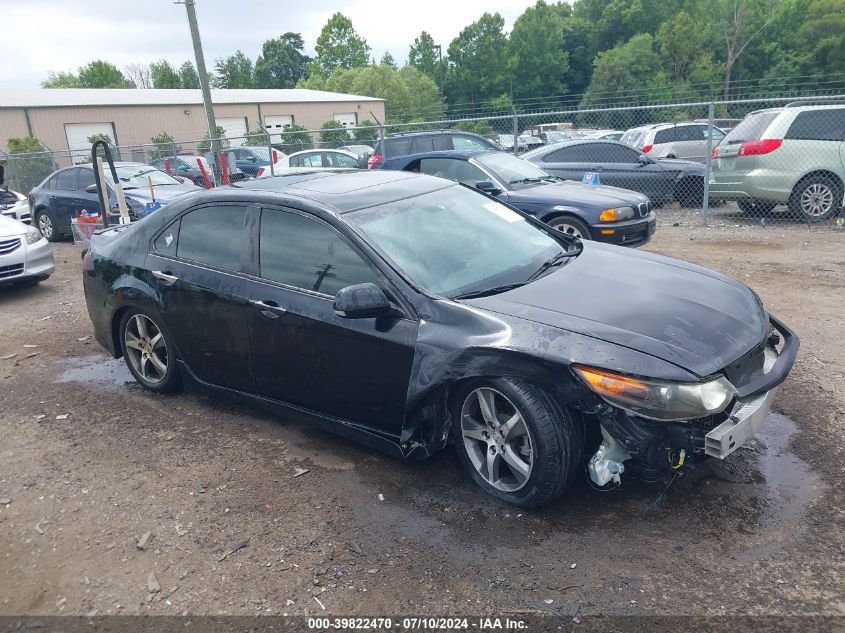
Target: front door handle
(268, 307)
(165, 277)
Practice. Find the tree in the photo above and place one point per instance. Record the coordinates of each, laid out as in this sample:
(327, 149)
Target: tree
(256, 137)
(138, 74)
(234, 71)
(281, 63)
(333, 134)
(479, 62)
(367, 132)
(164, 146)
(93, 138)
(102, 74)
(295, 138)
(164, 75)
(188, 76)
(483, 128)
(741, 22)
(339, 46)
(205, 144)
(423, 56)
(61, 80)
(387, 60)
(538, 46)
(32, 163)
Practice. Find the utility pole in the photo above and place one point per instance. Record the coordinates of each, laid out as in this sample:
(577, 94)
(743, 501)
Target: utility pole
(440, 62)
(206, 91)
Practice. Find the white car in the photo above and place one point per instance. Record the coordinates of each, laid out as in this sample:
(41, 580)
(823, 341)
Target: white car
(14, 205)
(25, 257)
(672, 140)
(311, 159)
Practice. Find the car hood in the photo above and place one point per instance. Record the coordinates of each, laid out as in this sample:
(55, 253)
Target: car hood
(692, 317)
(576, 193)
(10, 227)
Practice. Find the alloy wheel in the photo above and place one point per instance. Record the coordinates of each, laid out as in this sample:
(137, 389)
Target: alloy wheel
(45, 225)
(146, 348)
(816, 200)
(497, 439)
(564, 227)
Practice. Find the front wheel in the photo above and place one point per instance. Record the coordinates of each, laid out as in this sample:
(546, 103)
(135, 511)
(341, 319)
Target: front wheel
(148, 352)
(47, 226)
(571, 226)
(514, 441)
(816, 199)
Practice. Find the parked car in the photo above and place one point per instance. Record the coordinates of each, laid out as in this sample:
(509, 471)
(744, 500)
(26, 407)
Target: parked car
(663, 181)
(363, 152)
(505, 142)
(673, 140)
(14, 205)
(25, 257)
(407, 311)
(312, 159)
(552, 136)
(602, 135)
(249, 159)
(530, 141)
(66, 193)
(429, 141)
(605, 214)
(187, 166)
(793, 156)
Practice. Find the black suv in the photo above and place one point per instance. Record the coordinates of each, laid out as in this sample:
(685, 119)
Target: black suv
(429, 141)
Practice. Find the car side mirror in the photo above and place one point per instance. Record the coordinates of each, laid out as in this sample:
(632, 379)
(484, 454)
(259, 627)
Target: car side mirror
(183, 168)
(643, 159)
(361, 301)
(91, 188)
(487, 187)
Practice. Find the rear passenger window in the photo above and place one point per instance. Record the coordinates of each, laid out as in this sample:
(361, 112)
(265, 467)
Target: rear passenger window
(818, 125)
(576, 154)
(668, 135)
(167, 242)
(212, 235)
(66, 179)
(398, 147)
(467, 143)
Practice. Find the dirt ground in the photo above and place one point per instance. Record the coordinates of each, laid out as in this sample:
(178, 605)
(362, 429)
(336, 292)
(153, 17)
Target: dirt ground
(89, 463)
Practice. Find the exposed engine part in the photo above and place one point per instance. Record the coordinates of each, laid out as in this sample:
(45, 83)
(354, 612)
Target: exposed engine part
(606, 464)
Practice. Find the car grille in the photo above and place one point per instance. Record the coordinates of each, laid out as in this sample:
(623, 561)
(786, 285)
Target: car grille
(644, 208)
(11, 271)
(7, 246)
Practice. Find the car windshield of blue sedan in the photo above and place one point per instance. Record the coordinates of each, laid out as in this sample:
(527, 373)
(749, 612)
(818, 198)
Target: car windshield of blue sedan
(517, 173)
(455, 241)
(136, 177)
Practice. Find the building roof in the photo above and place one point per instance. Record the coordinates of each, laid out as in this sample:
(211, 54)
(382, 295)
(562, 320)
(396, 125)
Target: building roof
(59, 97)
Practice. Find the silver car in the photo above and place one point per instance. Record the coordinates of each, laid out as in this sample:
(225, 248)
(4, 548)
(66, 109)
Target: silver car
(672, 140)
(25, 257)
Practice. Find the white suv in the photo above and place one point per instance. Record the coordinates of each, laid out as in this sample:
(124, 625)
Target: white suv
(672, 140)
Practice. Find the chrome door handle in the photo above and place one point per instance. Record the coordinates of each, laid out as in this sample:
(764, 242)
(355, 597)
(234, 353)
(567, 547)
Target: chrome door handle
(167, 278)
(268, 305)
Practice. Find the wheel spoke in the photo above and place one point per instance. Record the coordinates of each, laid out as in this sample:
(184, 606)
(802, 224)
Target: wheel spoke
(493, 461)
(487, 404)
(133, 341)
(157, 340)
(519, 467)
(158, 365)
(142, 368)
(141, 326)
(512, 422)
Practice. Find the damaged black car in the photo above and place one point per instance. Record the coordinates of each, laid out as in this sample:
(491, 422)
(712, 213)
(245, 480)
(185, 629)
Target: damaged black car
(410, 312)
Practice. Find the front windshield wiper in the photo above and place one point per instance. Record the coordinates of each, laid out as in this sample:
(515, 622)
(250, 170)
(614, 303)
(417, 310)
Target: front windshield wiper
(525, 181)
(489, 291)
(556, 260)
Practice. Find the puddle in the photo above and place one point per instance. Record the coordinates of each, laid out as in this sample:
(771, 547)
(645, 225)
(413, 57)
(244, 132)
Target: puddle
(95, 369)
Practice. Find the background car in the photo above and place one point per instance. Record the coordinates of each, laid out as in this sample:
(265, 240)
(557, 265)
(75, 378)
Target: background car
(66, 193)
(14, 205)
(553, 136)
(604, 214)
(603, 135)
(186, 166)
(363, 152)
(673, 140)
(429, 141)
(25, 256)
(313, 159)
(793, 155)
(618, 165)
(249, 159)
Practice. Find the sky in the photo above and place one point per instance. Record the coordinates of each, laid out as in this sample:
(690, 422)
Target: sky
(40, 36)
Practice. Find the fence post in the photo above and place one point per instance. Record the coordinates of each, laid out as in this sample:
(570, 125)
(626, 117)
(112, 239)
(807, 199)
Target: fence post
(708, 159)
(515, 131)
(270, 148)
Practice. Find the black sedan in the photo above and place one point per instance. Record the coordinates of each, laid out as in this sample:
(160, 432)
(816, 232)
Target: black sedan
(407, 311)
(604, 214)
(664, 180)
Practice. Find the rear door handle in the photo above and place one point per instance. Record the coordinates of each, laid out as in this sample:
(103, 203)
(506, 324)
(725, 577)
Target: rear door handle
(165, 277)
(268, 308)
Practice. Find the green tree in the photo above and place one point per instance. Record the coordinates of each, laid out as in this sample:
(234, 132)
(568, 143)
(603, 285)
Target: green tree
(93, 138)
(295, 139)
(333, 134)
(479, 62)
(61, 80)
(31, 162)
(205, 144)
(188, 77)
(281, 63)
(482, 128)
(164, 146)
(102, 74)
(256, 137)
(423, 56)
(387, 60)
(367, 132)
(538, 46)
(164, 75)
(235, 71)
(682, 41)
(339, 46)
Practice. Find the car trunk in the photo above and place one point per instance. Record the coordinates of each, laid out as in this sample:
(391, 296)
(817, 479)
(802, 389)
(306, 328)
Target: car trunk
(727, 154)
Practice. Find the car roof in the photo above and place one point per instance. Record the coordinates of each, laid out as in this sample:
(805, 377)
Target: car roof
(321, 149)
(428, 132)
(346, 191)
(458, 154)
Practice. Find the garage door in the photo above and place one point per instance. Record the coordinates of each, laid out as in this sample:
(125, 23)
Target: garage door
(347, 119)
(77, 138)
(234, 128)
(276, 123)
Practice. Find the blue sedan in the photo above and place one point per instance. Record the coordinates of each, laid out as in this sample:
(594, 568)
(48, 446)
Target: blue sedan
(596, 212)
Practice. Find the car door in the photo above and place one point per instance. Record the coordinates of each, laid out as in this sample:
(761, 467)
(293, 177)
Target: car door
(338, 159)
(195, 265)
(85, 201)
(246, 161)
(305, 354)
(307, 159)
(62, 198)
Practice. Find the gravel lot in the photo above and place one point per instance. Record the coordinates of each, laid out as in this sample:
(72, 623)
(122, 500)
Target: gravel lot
(89, 463)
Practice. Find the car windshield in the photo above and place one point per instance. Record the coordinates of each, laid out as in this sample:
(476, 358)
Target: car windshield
(262, 153)
(455, 241)
(751, 128)
(517, 173)
(136, 176)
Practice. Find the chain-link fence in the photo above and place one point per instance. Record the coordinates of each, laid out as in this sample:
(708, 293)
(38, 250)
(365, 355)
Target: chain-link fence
(729, 164)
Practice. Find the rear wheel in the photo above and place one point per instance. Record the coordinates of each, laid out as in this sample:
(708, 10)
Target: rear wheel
(148, 352)
(47, 226)
(816, 199)
(571, 226)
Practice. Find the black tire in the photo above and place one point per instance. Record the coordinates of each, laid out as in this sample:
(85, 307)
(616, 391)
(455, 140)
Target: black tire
(555, 451)
(569, 224)
(46, 224)
(829, 197)
(755, 207)
(690, 192)
(159, 381)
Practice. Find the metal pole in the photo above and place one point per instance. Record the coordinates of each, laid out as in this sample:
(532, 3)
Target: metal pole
(206, 91)
(380, 135)
(515, 131)
(269, 148)
(440, 63)
(705, 203)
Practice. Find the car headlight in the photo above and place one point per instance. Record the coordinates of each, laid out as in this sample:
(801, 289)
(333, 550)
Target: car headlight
(616, 214)
(32, 235)
(659, 399)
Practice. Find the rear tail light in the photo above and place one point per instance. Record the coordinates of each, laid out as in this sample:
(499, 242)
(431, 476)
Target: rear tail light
(714, 153)
(647, 148)
(374, 161)
(756, 148)
(87, 262)
(260, 172)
